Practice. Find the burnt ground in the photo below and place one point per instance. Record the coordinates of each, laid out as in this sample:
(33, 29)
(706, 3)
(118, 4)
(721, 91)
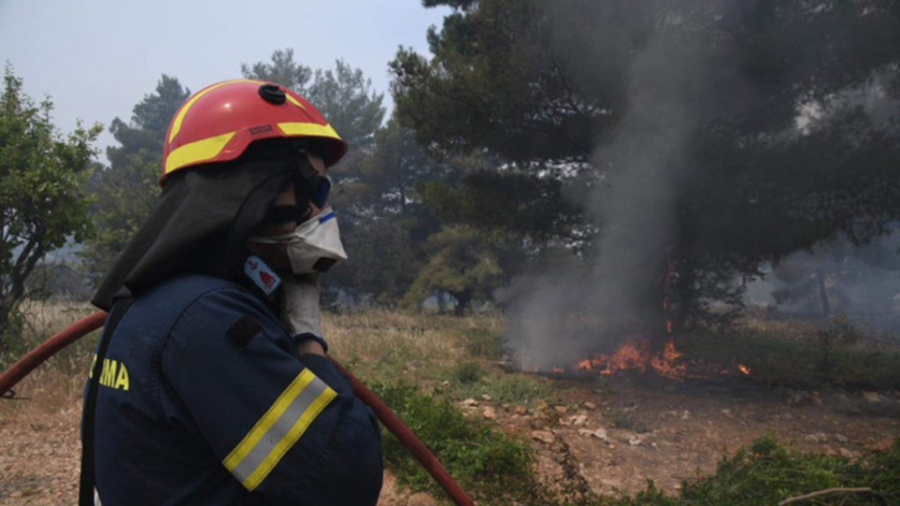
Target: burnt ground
(620, 434)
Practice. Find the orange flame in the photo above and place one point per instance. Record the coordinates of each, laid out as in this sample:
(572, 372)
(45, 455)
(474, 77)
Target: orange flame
(636, 354)
(744, 369)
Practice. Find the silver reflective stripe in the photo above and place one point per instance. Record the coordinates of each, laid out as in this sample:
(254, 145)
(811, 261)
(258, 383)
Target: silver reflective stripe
(278, 430)
(97, 498)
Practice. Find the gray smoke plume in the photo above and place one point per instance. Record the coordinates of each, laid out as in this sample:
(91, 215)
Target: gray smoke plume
(561, 315)
(682, 69)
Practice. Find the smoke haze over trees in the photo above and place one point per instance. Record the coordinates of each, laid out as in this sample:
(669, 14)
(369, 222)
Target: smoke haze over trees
(558, 157)
(126, 191)
(712, 135)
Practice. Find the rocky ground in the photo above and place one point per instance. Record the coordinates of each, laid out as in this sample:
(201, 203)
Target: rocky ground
(617, 436)
(669, 432)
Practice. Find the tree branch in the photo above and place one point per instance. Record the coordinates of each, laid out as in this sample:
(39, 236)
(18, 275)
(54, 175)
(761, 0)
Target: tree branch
(828, 491)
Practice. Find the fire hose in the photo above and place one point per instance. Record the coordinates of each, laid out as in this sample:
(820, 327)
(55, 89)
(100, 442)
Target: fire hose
(391, 421)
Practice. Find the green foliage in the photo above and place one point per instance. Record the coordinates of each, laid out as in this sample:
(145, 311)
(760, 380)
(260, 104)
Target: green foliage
(126, 191)
(383, 259)
(834, 342)
(492, 466)
(767, 473)
(549, 84)
(502, 388)
(282, 70)
(483, 343)
(345, 97)
(466, 372)
(622, 419)
(461, 261)
(42, 203)
(800, 358)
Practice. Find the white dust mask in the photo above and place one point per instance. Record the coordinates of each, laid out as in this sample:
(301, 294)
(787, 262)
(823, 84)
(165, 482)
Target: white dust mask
(315, 246)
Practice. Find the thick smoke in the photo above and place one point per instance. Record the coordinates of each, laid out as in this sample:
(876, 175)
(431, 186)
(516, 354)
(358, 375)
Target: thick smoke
(562, 315)
(679, 72)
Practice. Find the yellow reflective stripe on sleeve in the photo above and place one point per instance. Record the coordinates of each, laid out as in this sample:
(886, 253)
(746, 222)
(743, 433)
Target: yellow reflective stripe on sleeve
(277, 431)
(314, 129)
(199, 151)
(179, 117)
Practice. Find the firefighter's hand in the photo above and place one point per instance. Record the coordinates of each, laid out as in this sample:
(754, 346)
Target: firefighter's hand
(300, 313)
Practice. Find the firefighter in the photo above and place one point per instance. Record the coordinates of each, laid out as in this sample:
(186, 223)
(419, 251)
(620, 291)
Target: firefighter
(211, 384)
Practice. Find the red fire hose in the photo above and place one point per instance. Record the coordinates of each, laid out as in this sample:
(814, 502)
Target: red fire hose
(416, 447)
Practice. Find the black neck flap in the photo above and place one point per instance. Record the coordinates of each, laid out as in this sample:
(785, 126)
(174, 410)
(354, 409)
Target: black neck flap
(201, 223)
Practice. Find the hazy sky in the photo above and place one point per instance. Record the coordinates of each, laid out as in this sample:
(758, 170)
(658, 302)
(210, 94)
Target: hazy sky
(97, 58)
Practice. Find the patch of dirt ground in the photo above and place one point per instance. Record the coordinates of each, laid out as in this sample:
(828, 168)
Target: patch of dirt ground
(619, 436)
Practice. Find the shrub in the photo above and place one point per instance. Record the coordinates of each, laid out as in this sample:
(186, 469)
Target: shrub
(491, 465)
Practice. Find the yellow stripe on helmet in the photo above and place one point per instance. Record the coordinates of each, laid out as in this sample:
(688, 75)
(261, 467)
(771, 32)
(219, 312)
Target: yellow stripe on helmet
(179, 117)
(312, 129)
(198, 151)
(294, 101)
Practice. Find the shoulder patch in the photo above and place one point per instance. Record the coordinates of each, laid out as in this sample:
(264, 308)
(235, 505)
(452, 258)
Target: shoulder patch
(261, 274)
(243, 331)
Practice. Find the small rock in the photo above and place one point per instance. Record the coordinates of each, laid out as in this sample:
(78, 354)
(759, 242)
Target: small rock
(829, 451)
(818, 437)
(578, 420)
(469, 403)
(841, 438)
(872, 397)
(561, 409)
(421, 499)
(521, 410)
(727, 412)
(445, 383)
(599, 433)
(816, 398)
(634, 440)
(686, 415)
(880, 446)
(543, 436)
(589, 405)
(485, 397)
(489, 414)
(611, 483)
(846, 453)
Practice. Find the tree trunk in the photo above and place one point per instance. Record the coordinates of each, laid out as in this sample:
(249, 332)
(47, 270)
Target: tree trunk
(823, 293)
(463, 302)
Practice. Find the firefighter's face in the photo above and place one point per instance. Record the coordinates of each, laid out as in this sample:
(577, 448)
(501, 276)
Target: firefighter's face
(276, 254)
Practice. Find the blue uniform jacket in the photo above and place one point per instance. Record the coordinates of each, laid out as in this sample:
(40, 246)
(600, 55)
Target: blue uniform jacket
(205, 401)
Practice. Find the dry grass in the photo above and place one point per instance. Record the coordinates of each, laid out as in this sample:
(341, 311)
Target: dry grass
(57, 384)
(384, 346)
(376, 345)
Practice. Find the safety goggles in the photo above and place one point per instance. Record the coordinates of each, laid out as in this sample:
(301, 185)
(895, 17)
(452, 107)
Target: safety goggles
(318, 187)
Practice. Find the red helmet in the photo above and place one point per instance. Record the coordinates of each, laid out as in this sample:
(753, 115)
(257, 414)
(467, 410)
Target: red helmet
(217, 123)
